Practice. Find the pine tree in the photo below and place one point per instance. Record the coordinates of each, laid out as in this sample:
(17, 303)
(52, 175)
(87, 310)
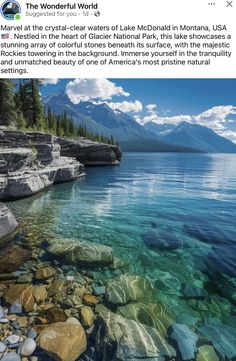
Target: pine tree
(8, 114)
(32, 106)
(59, 128)
(71, 128)
(49, 118)
(21, 123)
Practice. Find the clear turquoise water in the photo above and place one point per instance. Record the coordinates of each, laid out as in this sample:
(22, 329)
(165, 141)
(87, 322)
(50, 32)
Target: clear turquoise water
(188, 200)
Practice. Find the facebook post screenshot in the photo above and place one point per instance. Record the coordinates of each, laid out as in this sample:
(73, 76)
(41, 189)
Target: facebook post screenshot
(117, 180)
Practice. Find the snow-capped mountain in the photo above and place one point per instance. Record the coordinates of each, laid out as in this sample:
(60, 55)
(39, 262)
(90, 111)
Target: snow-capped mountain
(101, 119)
(193, 136)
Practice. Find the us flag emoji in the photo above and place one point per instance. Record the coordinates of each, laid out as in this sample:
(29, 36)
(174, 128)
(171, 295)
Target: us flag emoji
(5, 36)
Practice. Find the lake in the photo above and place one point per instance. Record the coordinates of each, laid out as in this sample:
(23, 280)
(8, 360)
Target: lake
(170, 216)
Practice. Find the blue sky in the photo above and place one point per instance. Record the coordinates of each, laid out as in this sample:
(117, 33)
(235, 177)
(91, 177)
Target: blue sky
(210, 102)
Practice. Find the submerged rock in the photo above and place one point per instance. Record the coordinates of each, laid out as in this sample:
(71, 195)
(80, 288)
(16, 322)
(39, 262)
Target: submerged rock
(54, 315)
(99, 290)
(86, 316)
(63, 341)
(128, 288)
(13, 258)
(45, 273)
(91, 300)
(207, 233)
(117, 338)
(162, 240)
(2, 313)
(184, 340)
(27, 347)
(216, 264)
(207, 353)
(187, 319)
(223, 338)
(40, 293)
(81, 253)
(15, 308)
(22, 294)
(2, 347)
(8, 223)
(149, 314)
(90, 355)
(12, 356)
(191, 291)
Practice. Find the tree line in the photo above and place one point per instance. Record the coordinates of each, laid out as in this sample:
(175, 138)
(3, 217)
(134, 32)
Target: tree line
(21, 107)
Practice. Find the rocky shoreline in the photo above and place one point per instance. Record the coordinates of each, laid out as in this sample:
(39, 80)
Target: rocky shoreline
(33, 161)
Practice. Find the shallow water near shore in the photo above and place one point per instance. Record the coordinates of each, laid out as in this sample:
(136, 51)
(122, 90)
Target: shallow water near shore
(169, 216)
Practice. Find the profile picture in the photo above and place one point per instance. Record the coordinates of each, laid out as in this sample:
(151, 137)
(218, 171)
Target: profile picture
(10, 10)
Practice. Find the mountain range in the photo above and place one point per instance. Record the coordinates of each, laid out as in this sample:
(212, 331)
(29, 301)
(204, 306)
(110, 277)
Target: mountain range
(132, 136)
(192, 135)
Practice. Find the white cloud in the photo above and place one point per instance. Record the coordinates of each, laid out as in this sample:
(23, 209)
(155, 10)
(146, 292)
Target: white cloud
(90, 89)
(151, 107)
(217, 113)
(228, 134)
(49, 81)
(127, 106)
(217, 118)
(175, 119)
(154, 117)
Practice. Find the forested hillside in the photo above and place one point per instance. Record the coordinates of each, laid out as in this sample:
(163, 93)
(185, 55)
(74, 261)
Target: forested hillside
(21, 108)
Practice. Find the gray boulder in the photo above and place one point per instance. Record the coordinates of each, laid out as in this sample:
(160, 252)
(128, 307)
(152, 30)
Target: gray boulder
(81, 253)
(67, 169)
(117, 338)
(26, 183)
(8, 223)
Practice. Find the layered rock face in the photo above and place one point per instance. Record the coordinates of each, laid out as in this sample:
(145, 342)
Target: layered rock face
(30, 162)
(90, 153)
(8, 223)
